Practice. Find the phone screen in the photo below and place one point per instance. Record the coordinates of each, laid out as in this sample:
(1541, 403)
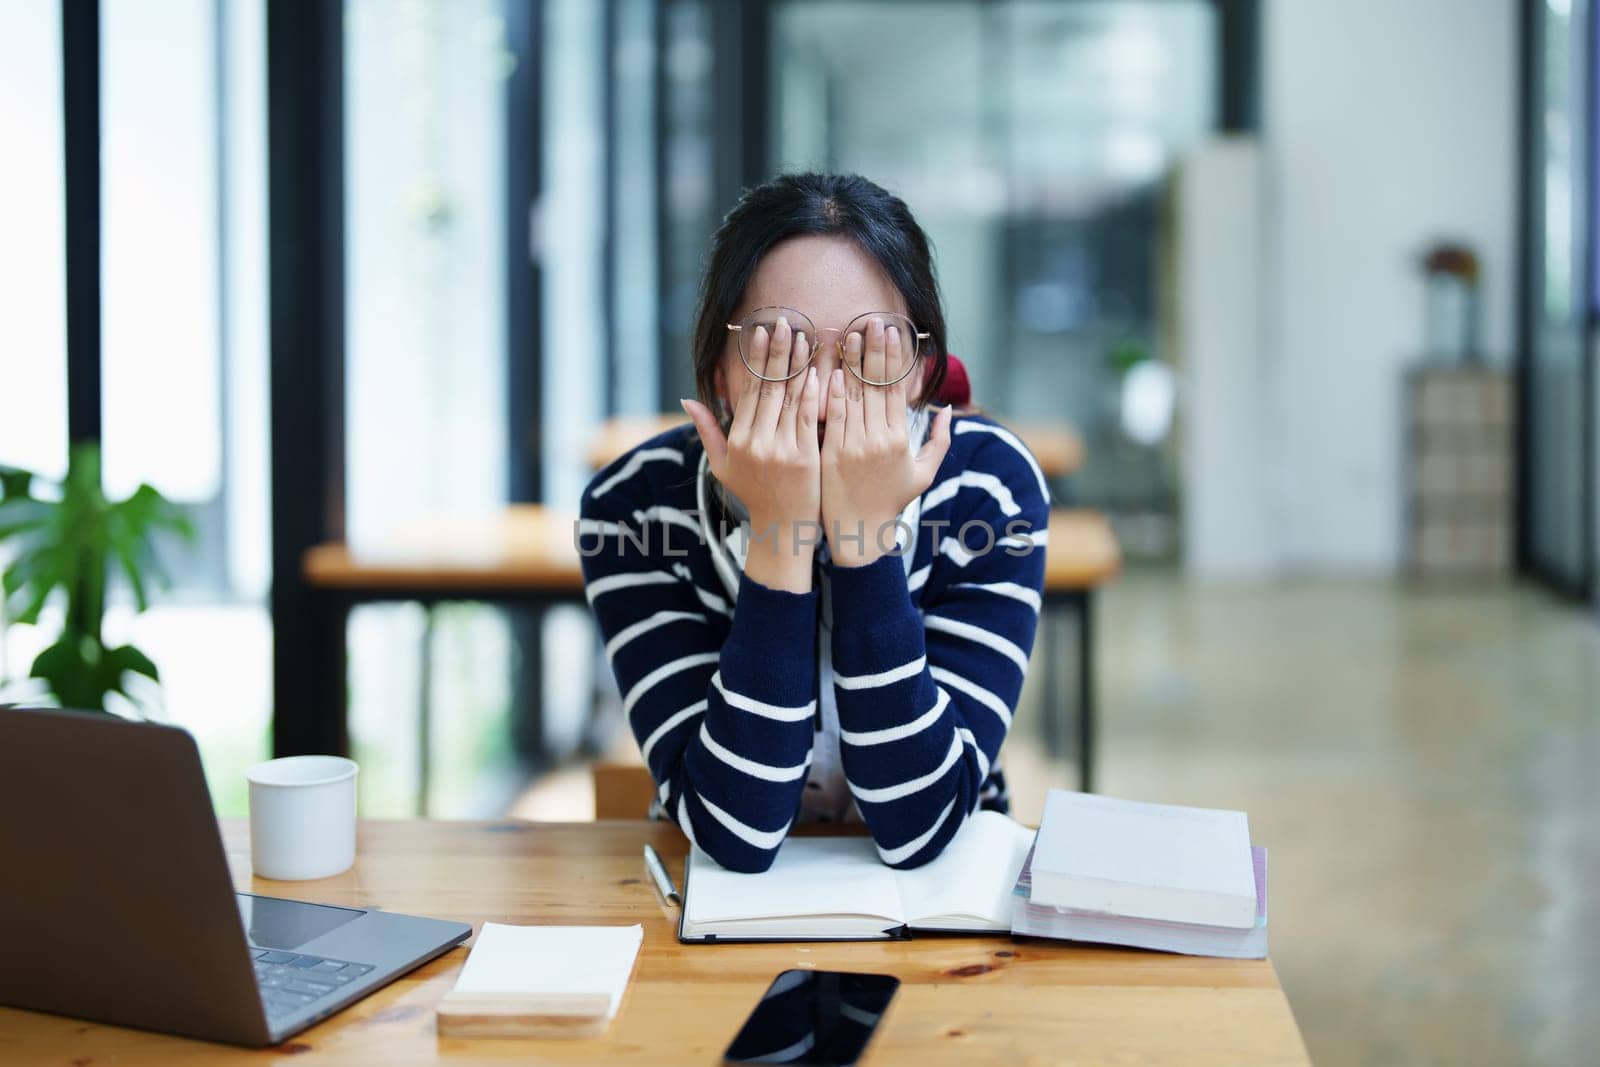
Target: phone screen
(815, 1018)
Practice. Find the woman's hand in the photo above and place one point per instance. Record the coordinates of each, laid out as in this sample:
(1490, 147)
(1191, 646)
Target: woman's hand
(770, 458)
(868, 472)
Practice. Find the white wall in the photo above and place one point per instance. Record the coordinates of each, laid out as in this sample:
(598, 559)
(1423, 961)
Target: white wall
(1388, 124)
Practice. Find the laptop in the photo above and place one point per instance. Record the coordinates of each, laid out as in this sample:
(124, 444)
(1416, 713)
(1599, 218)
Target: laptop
(116, 903)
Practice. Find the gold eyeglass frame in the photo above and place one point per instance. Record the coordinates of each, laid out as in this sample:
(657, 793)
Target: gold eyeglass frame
(737, 329)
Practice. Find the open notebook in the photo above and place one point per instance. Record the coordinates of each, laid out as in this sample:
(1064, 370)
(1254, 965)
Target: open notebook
(837, 889)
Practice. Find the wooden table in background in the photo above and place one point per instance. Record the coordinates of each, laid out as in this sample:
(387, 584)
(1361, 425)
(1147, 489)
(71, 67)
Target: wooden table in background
(1056, 446)
(967, 1000)
(525, 555)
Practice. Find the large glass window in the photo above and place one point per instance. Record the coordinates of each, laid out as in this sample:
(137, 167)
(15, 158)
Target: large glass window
(635, 262)
(1034, 149)
(160, 249)
(33, 331)
(425, 373)
(571, 233)
(183, 300)
(183, 361)
(690, 210)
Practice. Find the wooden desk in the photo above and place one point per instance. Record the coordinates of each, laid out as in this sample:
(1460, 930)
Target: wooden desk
(967, 1000)
(1056, 446)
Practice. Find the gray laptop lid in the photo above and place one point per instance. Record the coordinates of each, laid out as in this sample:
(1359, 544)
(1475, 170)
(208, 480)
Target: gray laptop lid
(115, 898)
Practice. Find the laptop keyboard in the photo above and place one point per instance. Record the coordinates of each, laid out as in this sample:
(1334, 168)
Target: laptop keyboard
(290, 981)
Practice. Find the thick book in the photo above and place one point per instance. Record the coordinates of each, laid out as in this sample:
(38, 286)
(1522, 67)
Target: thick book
(1068, 924)
(1144, 861)
(838, 889)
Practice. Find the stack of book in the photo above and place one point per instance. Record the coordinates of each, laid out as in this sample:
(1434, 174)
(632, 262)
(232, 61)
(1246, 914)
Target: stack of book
(1152, 876)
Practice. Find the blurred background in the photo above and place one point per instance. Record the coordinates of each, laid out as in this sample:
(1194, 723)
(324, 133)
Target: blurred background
(1298, 297)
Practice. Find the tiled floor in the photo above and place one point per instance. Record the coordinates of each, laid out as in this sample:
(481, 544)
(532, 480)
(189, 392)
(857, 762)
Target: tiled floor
(1424, 767)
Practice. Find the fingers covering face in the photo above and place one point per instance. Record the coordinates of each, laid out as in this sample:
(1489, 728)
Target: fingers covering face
(795, 387)
(833, 439)
(774, 368)
(876, 367)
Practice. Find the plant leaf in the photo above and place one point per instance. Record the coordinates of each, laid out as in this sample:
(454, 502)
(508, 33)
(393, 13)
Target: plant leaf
(130, 567)
(127, 658)
(22, 513)
(72, 677)
(72, 544)
(29, 614)
(15, 483)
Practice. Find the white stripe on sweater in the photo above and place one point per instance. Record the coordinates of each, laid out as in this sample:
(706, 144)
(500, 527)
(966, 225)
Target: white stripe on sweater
(975, 691)
(983, 761)
(765, 771)
(1028, 596)
(673, 721)
(915, 845)
(776, 712)
(1035, 538)
(666, 670)
(602, 527)
(895, 733)
(978, 635)
(708, 598)
(970, 426)
(1019, 543)
(612, 582)
(683, 818)
(630, 468)
(762, 839)
(887, 793)
(660, 618)
(668, 515)
(970, 479)
(918, 578)
(953, 548)
(882, 678)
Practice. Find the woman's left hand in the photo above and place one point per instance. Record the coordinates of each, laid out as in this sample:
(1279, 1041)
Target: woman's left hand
(869, 474)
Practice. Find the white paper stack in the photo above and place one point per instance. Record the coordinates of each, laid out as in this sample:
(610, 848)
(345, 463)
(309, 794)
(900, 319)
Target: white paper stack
(1154, 876)
(541, 981)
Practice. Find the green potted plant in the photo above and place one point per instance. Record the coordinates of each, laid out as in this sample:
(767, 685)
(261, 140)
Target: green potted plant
(67, 543)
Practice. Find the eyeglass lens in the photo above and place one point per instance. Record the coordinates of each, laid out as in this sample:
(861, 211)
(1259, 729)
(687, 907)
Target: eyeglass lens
(883, 363)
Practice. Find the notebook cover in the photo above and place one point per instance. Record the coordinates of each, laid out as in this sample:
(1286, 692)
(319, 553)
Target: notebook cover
(894, 933)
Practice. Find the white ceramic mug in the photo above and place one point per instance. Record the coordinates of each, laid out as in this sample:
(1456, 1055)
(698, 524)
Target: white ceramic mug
(302, 817)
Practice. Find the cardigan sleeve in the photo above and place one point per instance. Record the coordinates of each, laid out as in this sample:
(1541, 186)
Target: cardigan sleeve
(925, 699)
(725, 725)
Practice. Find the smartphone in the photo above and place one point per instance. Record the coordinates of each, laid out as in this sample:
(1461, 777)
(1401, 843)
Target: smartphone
(814, 1018)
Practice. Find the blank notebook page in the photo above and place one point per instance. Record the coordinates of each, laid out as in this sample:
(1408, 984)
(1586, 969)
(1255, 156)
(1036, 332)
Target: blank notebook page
(973, 876)
(811, 876)
(552, 959)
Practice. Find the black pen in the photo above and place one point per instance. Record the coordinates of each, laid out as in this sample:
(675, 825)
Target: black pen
(663, 880)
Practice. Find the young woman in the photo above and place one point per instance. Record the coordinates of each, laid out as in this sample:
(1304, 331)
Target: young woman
(819, 600)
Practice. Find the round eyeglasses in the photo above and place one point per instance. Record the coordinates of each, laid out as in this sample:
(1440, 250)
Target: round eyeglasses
(901, 347)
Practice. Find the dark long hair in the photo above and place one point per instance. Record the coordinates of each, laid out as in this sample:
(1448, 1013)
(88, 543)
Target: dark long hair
(826, 205)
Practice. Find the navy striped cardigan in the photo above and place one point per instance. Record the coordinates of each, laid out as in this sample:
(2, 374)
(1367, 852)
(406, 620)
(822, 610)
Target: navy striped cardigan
(928, 659)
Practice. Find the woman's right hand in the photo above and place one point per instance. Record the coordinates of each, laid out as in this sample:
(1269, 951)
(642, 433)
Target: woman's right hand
(770, 457)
